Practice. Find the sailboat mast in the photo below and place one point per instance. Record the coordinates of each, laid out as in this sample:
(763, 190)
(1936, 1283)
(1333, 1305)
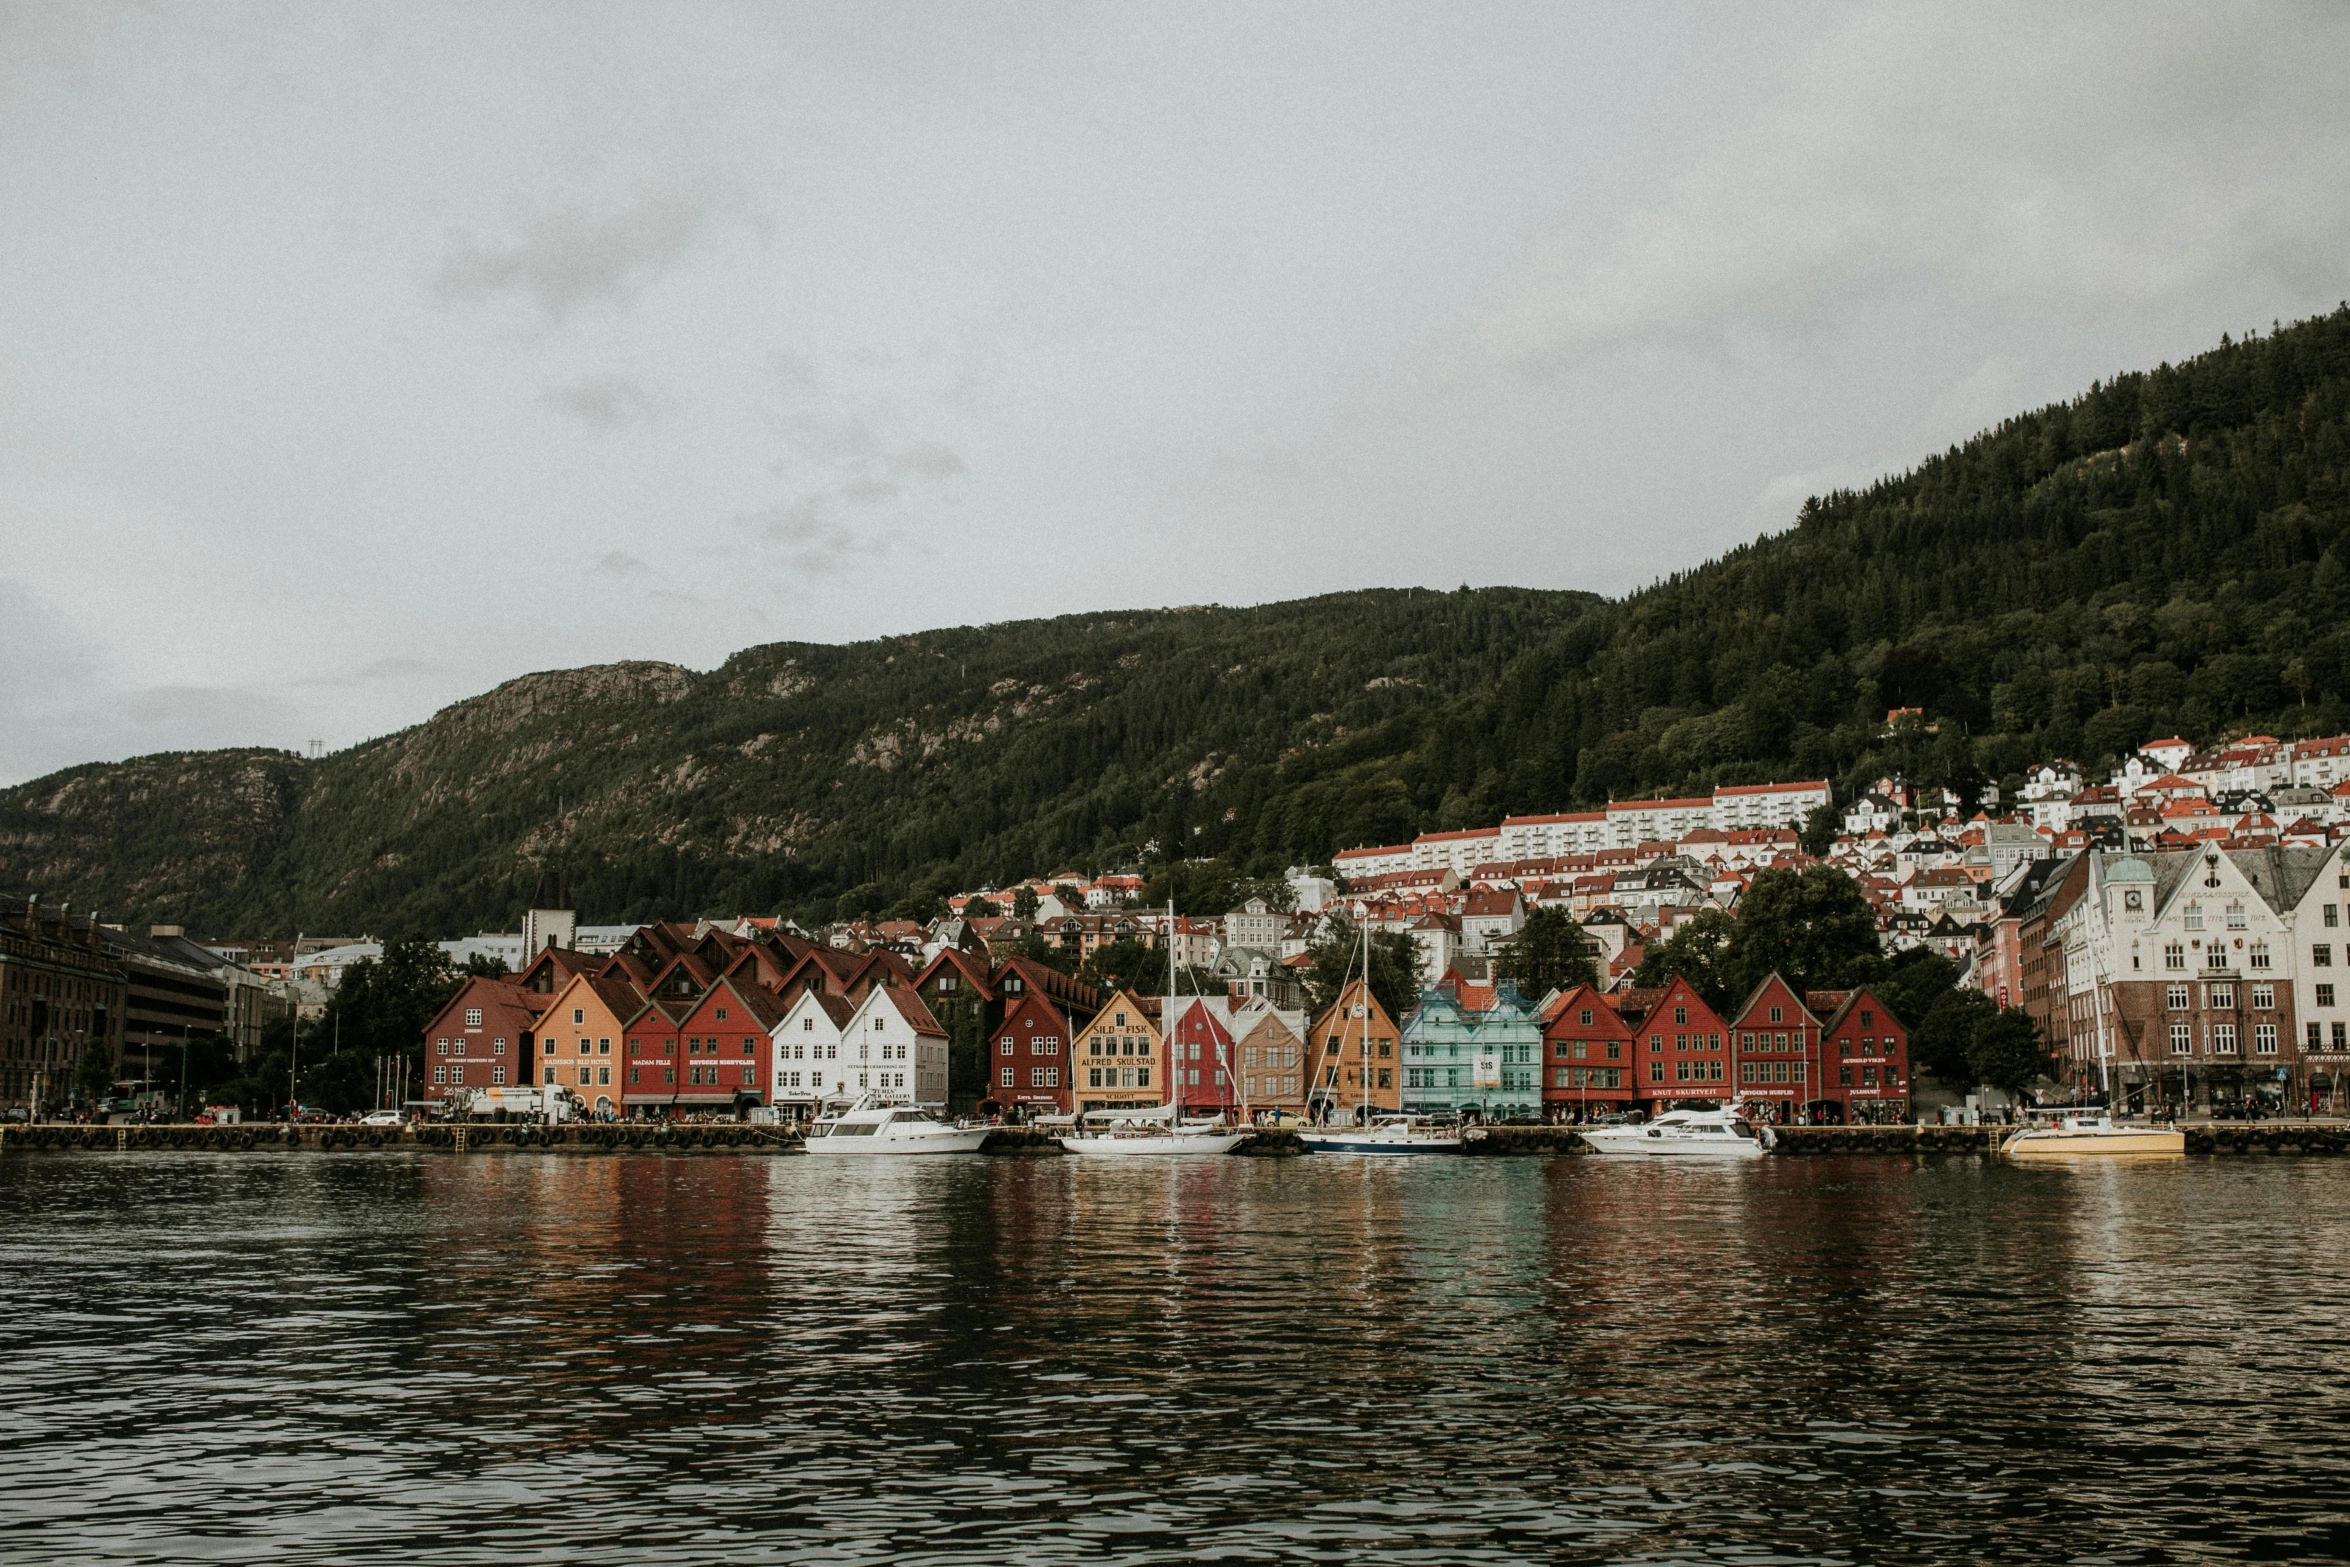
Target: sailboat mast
(1167, 1015)
(1363, 1046)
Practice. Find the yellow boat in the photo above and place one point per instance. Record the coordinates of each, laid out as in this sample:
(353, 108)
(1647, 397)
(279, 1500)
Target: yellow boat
(2095, 1136)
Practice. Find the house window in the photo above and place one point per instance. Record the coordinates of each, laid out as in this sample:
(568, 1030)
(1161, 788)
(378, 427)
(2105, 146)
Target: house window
(2216, 956)
(669, 1074)
(2223, 1039)
(1586, 1017)
(747, 1076)
(1006, 1047)
(497, 1077)
(1681, 1015)
(2174, 955)
(440, 1074)
(2331, 916)
(2263, 997)
(2321, 955)
(550, 1077)
(497, 1047)
(1007, 1076)
(2193, 919)
(548, 1045)
(2182, 1039)
(473, 1014)
(635, 1075)
(2223, 998)
(2175, 998)
(2264, 1038)
(2316, 1036)
(440, 1047)
(2338, 1037)
(1844, 1076)
(722, 1014)
(578, 1015)
(2325, 995)
(1778, 1015)
(2236, 916)
(2260, 954)
(457, 1073)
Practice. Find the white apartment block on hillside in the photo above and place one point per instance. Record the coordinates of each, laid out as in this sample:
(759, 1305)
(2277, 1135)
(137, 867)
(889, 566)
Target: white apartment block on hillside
(1626, 824)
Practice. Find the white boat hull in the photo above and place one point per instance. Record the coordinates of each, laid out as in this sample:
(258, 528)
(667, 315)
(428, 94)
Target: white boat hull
(2094, 1143)
(1633, 1142)
(1113, 1145)
(957, 1141)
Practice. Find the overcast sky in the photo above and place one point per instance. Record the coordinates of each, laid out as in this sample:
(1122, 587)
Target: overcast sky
(355, 358)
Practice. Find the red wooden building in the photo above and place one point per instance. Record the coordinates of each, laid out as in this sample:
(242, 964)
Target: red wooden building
(1684, 1048)
(1031, 1065)
(1826, 1056)
(1588, 1054)
(482, 1039)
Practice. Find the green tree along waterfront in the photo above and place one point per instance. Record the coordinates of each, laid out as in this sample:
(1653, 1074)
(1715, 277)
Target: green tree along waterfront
(2164, 553)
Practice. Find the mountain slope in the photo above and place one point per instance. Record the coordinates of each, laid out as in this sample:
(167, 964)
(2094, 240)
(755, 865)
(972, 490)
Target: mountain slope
(2165, 553)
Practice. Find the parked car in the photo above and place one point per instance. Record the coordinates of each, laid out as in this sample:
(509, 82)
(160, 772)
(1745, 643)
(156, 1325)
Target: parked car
(380, 1118)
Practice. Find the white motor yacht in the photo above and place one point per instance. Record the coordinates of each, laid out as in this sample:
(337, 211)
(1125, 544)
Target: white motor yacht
(869, 1129)
(2098, 1135)
(1683, 1134)
(1389, 1134)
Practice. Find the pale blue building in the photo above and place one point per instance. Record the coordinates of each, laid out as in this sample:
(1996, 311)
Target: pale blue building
(1454, 1025)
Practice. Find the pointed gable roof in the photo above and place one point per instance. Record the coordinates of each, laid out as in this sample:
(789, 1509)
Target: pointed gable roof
(971, 967)
(836, 1008)
(765, 1007)
(906, 1003)
(552, 969)
(1772, 983)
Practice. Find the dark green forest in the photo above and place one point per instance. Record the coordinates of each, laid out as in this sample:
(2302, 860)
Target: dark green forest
(2164, 553)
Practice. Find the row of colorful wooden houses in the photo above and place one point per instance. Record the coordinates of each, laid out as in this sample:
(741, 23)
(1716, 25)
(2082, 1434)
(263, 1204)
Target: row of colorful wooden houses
(688, 1019)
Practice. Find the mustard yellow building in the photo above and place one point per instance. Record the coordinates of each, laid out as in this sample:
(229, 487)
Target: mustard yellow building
(1118, 1059)
(580, 1041)
(1354, 1055)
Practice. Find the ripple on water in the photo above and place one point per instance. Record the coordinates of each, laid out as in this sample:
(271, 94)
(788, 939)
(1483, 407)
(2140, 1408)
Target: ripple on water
(516, 1359)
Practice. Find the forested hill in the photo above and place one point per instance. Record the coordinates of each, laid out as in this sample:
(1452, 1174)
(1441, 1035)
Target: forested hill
(2164, 554)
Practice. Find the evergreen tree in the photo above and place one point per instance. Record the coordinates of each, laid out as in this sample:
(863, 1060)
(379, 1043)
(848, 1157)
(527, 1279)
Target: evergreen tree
(1550, 953)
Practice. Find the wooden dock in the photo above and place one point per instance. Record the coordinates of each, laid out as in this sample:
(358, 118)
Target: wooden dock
(2225, 1138)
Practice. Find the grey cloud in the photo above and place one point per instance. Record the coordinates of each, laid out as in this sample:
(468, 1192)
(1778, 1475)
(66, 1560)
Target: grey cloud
(2065, 176)
(607, 401)
(565, 257)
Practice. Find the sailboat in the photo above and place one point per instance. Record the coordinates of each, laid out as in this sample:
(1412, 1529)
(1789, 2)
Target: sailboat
(1159, 1129)
(1387, 1134)
(2095, 1133)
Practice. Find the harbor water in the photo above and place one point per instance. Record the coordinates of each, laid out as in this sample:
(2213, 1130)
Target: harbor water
(405, 1357)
